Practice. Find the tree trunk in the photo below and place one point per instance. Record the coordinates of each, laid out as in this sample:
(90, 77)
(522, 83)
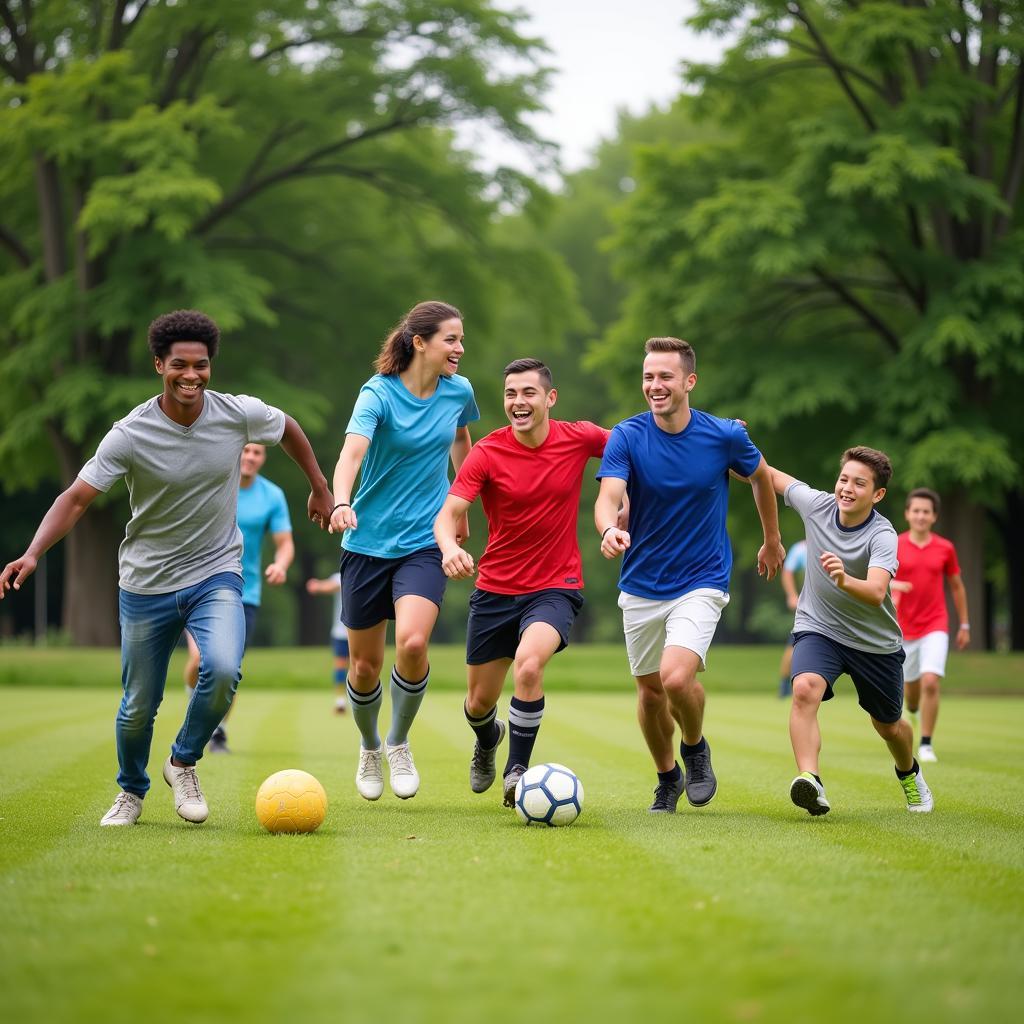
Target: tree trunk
(90, 591)
(1013, 546)
(963, 521)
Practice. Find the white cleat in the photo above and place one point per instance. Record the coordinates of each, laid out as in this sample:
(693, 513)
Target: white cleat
(369, 775)
(189, 801)
(405, 780)
(126, 810)
(925, 753)
(919, 796)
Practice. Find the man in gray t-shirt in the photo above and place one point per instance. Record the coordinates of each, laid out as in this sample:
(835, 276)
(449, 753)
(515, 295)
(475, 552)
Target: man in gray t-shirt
(180, 561)
(846, 623)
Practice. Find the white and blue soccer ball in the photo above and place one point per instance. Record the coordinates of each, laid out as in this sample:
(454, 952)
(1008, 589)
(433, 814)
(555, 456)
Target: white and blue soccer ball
(549, 794)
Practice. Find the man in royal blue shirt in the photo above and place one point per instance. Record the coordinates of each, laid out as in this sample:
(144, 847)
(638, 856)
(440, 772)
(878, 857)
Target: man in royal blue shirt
(674, 464)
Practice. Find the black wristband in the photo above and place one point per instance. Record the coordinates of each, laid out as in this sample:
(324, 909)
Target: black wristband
(605, 530)
(341, 504)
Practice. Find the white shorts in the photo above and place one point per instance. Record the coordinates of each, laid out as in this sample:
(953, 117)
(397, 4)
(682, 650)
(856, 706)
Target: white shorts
(926, 654)
(651, 626)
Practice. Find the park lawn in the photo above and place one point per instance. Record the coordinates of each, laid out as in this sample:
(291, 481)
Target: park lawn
(443, 908)
(583, 667)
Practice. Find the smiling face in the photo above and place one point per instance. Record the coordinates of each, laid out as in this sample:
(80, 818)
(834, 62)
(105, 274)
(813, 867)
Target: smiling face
(253, 457)
(186, 373)
(442, 351)
(666, 385)
(856, 493)
(527, 403)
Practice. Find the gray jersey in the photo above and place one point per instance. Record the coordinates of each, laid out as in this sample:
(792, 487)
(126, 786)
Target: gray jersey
(338, 630)
(823, 607)
(183, 488)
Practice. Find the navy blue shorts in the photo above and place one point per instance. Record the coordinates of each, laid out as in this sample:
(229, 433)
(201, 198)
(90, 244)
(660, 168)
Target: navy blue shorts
(877, 677)
(370, 586)
(497, 621)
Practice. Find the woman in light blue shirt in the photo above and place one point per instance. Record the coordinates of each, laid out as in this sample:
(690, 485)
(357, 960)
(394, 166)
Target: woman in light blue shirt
(410, 418)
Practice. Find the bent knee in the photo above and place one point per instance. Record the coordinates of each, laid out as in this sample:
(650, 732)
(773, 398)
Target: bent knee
(808, 689)
(412, 646)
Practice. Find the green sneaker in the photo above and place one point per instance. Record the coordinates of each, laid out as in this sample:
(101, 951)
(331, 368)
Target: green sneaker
(807, 792)
(919, 796)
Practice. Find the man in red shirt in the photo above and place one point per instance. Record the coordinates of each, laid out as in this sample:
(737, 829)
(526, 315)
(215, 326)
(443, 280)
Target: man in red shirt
(527, 594)
(925, 560)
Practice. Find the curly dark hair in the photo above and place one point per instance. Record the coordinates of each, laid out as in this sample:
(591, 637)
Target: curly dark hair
(182, 325)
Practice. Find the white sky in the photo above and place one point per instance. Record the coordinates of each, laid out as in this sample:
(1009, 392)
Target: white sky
(608, 54)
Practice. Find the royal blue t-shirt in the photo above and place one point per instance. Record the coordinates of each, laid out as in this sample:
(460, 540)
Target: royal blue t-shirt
(262, 509)
(678, 487)
(404, 477)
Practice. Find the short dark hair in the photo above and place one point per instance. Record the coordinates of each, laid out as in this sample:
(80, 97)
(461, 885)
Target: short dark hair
(878, 462)
(528, 364)
(686, 354)
(924, 492)
(182, 325)
(424, 319)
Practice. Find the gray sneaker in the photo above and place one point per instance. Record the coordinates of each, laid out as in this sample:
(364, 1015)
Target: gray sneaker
(699, 781)
(481, 769)
(666, 796)
(515, 773)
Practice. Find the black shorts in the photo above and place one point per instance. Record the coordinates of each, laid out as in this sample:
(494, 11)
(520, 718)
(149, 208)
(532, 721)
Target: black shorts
(497, 621)
(370, 586)
(877, 677)
(250, 611)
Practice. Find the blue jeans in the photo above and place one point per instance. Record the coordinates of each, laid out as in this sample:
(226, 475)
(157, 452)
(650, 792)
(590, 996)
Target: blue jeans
(151, 625)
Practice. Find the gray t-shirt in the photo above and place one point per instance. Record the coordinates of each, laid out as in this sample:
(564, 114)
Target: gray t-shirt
(183, 488)
(823, 607)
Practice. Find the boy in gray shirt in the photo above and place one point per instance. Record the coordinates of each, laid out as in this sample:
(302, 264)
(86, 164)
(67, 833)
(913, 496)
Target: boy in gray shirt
(846, 622)
(180, 561)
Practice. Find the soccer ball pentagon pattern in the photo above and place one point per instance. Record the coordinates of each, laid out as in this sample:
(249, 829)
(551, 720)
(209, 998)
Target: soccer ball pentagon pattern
(291, 801)
(549, 794)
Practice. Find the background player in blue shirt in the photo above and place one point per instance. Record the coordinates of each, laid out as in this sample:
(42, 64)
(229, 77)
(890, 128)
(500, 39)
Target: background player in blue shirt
(262, 509)
(674, 464)
(796, 562)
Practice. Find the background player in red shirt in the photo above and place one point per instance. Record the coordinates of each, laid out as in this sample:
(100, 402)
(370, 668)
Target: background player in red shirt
(925, 560)
(527, 594)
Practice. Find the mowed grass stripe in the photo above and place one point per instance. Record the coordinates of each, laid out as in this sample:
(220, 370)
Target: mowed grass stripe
(442, 908)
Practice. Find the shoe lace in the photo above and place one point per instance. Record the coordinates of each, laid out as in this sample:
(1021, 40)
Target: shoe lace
(698, 766)
(400, 760)
(662, 795)
(189, 783)
(910, 788)
(369, 765)
(124, 804)
(482, 758)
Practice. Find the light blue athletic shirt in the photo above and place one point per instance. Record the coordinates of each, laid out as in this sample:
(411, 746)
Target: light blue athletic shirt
(796, 557)
(261, 510)
(678, 487)
(404, 477)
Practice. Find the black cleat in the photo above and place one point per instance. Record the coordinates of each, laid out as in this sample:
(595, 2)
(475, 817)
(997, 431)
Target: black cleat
(666, 796)
(700, 782)
(515, 773)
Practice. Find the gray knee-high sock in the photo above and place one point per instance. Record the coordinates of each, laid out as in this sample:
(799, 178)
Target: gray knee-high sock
(365, 711)
(406, 698)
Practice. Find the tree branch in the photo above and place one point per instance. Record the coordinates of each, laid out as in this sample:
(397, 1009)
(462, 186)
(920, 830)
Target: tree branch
(846, 68)
(797, 11)
(1015, 162)
(248, 189)
(320, 37)
(121, 29)
(23, 45)
(188, 51)
(15, 246)
(867, 315)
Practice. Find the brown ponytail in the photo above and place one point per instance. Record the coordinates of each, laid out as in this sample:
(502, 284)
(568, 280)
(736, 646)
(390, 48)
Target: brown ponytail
(424, 319)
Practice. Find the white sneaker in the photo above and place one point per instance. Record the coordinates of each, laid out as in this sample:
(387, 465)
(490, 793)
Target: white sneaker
(925, 753)
(369, 776)
(919, 796)
(405, 780)
(189, 801)
(807, 792)
(126, 810)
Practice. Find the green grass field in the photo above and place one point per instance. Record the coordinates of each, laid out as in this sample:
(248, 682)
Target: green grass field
(444, 908)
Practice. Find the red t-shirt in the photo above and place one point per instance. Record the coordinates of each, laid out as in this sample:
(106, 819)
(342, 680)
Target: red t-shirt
(923, 609)
(531, 498)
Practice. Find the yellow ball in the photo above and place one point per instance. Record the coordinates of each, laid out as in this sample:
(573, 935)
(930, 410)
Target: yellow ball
(291, 801)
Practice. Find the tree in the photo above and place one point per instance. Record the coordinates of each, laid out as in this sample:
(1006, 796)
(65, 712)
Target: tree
(847, 258)
(261, 161)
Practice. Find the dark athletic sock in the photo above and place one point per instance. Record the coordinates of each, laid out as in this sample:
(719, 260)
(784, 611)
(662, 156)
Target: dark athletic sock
(915, 768)
(523, 725)
(686, 750)
(673, 775)
(926, 741)
(485, 727)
